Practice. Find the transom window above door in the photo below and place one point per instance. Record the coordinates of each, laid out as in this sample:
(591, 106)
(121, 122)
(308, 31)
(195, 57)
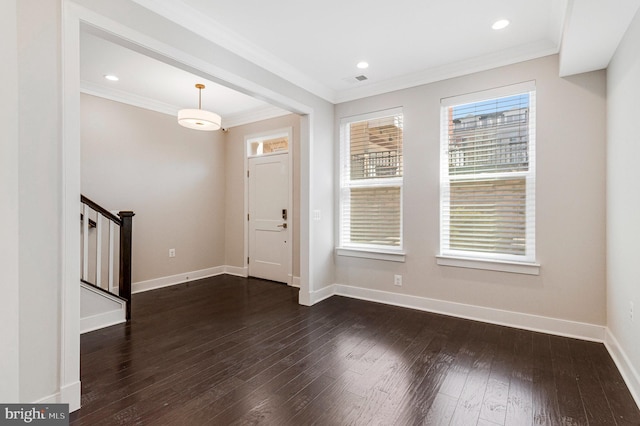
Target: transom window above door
(271, 144)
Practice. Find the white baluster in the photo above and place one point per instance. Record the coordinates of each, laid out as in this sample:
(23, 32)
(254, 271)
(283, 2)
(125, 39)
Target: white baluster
(112, 232)
(98, 249)
(85, 242)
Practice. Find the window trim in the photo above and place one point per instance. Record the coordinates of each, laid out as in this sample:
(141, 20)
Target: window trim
(489, 264)
(490, 261)
(366, 253)
(377, 252)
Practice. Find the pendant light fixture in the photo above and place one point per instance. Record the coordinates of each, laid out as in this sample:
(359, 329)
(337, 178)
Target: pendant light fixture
(199, 119)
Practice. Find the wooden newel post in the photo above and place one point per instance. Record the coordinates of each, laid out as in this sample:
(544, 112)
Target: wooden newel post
(125, 257)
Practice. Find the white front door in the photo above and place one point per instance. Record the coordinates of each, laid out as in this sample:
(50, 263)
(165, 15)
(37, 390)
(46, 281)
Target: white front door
(269, 224)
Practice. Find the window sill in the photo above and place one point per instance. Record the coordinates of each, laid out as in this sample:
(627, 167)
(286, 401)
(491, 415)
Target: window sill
(490, 265)
(392, 256)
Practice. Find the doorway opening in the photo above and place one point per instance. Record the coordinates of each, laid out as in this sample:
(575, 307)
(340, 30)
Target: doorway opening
(76, 19)
(269, 205)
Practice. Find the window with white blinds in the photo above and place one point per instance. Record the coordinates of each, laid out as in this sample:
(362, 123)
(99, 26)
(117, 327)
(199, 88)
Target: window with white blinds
(487, 196)
(371, 181)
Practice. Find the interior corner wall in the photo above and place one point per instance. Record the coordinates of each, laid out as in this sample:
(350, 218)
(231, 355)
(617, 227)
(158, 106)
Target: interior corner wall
(40, 196)
(234, 199)
(170, 176)
(623, 196)
(570, 199)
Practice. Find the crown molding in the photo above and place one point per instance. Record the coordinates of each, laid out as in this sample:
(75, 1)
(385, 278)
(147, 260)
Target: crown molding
(232, 120)
(258, 114)
(127, 98)
(456, 69)
(186, 16)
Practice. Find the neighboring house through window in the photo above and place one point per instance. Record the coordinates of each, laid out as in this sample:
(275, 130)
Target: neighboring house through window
(371, 181)
(487, 179)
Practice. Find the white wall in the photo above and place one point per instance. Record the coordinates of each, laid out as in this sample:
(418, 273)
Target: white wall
(623, 199)
(570, 197)
(9, 219)
(171, 177)
(40, 198)
(322, 187)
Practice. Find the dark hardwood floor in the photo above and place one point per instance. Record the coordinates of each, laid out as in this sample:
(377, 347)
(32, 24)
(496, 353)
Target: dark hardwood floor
(228, 350)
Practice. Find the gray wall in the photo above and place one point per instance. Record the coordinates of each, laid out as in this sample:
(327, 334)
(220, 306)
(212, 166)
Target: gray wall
(623, 195)
(185, 187)
(170, 176)
(570, 197)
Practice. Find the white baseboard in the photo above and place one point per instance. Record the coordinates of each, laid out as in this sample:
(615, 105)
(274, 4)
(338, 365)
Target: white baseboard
(626, 368)
(560, 327)
(153, 284)
(324, 293)
(105, 319)
(238, 271)
(69, 394)
(293, 281)
(111, 310)
(51, 399)
(530, 322)
(304, 298)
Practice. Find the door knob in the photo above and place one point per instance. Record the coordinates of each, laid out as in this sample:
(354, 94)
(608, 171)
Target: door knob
(283, 226)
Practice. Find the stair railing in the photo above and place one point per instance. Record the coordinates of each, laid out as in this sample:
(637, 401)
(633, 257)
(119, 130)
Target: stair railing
(96, 215)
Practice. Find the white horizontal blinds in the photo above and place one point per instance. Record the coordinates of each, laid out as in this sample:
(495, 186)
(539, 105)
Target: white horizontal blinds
(488, 216)
(488, 178)
(374, 216)
(371, 182)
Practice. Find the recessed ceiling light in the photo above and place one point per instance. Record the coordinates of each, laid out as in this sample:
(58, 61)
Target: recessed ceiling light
(501, 24)
(111, 77)
(363, 65)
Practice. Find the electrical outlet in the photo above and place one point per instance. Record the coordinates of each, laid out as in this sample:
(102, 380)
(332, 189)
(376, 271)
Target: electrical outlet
(631, 311)
(397, 280)
(172, 252)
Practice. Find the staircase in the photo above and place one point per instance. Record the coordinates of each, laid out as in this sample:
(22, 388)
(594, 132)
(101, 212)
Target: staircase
(105, 288)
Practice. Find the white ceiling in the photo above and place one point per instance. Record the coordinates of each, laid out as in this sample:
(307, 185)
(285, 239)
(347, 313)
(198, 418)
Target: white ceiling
(148, 83)
(324, 40)
(592, 31)
(316, 45)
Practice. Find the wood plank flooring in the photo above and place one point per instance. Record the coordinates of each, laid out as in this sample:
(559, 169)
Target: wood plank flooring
(229, 350)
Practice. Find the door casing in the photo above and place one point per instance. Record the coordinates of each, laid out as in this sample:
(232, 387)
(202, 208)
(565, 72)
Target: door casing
(290, 209)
